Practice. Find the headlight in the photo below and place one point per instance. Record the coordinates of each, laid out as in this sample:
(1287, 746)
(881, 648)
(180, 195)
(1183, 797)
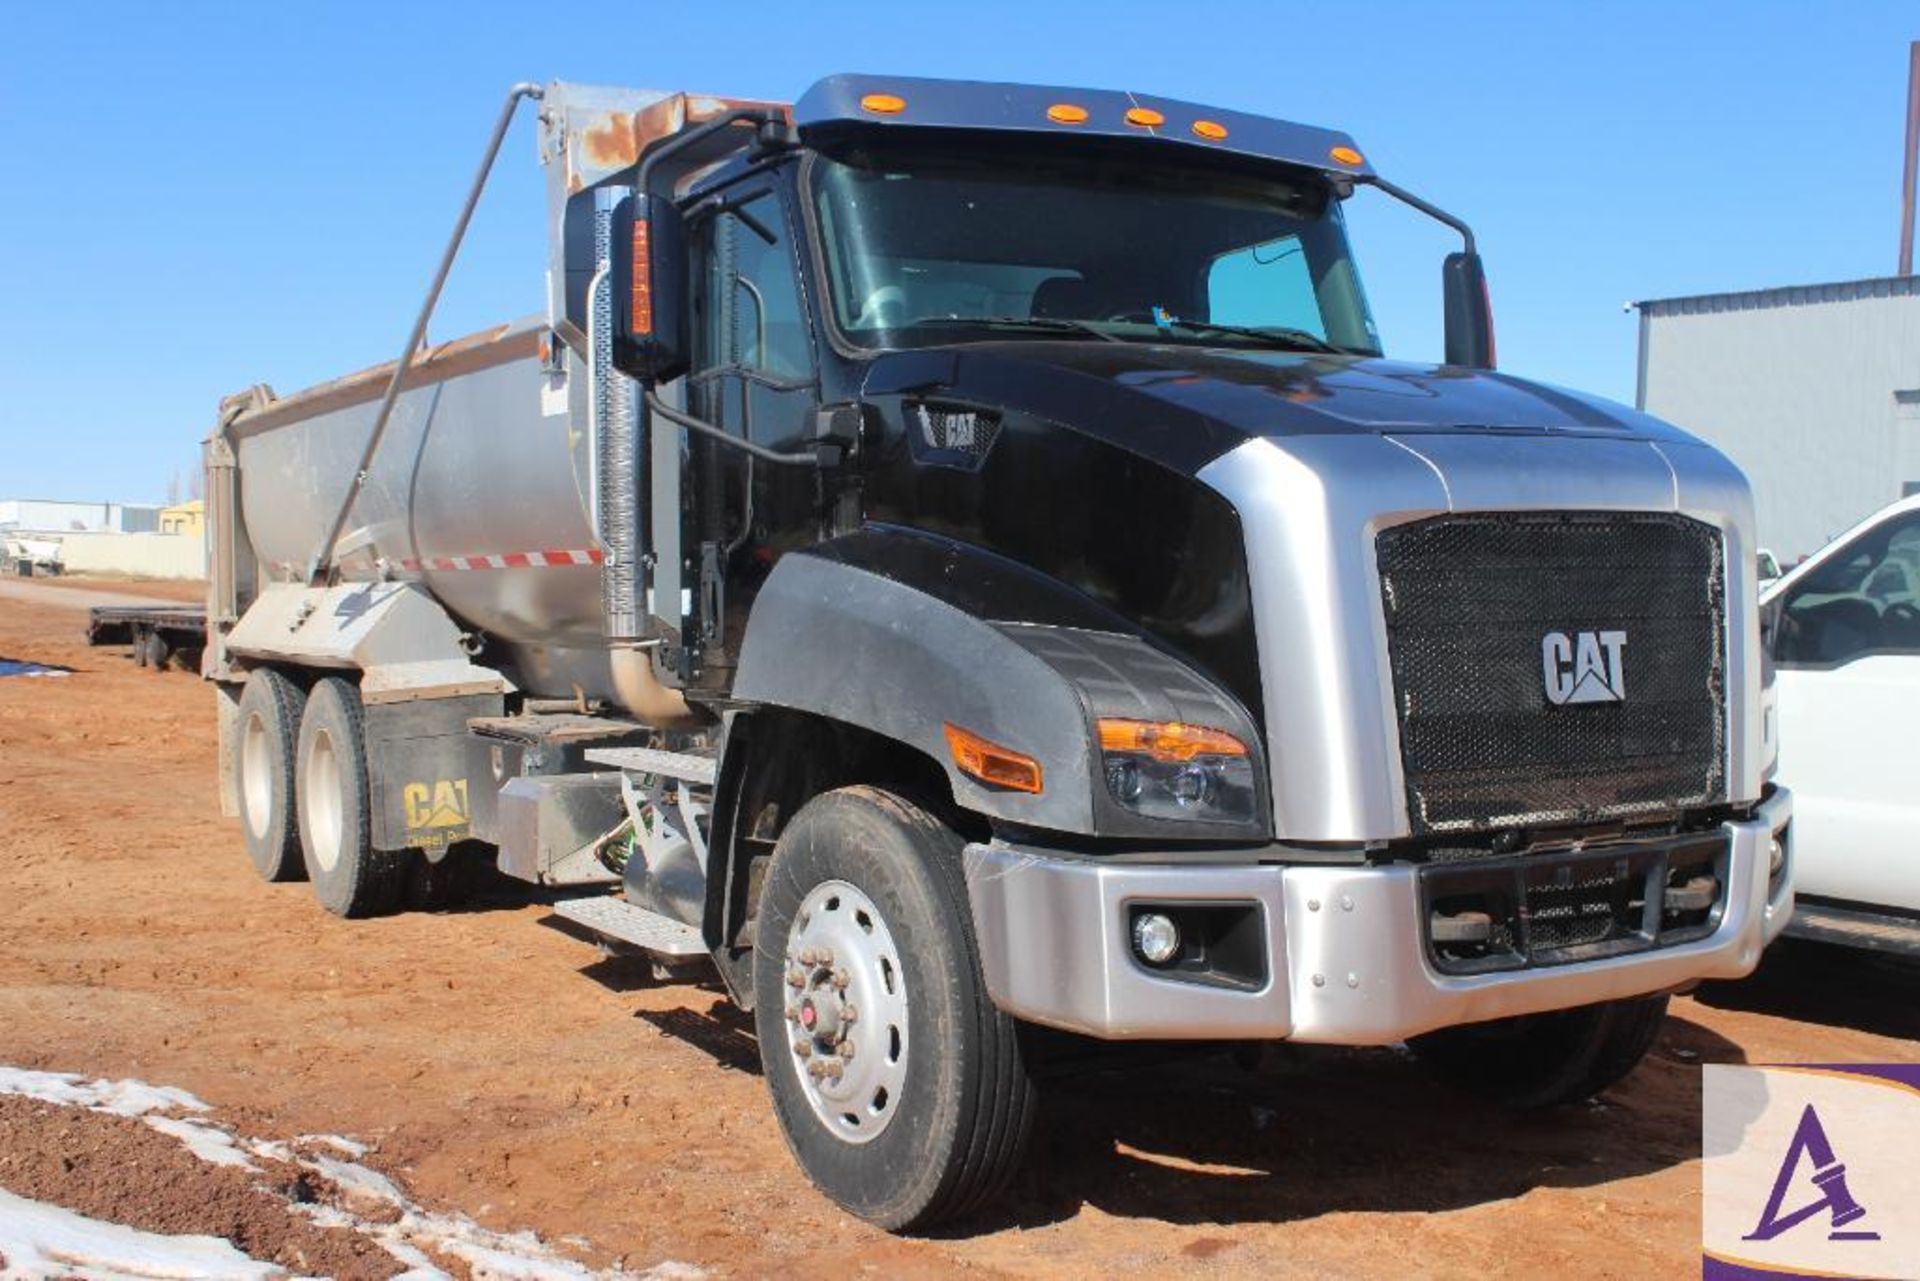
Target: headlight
(1164, 769)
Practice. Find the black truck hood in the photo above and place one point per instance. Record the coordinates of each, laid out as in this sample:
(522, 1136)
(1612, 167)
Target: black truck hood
(1186, 406)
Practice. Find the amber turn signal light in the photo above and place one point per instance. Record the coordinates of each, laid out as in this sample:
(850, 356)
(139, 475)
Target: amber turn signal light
(1065, 113)
(1347, 156)
(1212, 130)
(1167, 740)
(1145, 117)
(640, 294)
(992, 764)
(883, 104)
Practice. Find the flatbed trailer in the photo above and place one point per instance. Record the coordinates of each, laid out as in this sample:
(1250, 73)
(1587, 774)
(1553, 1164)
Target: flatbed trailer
(156, 632)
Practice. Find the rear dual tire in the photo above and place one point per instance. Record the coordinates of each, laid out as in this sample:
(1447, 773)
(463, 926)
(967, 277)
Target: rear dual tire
(264, 750)
(333, 803)
(928, 1116)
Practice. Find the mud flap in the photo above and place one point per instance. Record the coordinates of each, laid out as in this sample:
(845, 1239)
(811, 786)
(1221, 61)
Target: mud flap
(418, 754)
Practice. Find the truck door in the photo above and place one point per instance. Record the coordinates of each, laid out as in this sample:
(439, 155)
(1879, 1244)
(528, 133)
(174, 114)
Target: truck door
(754, 374)
(1849, 702)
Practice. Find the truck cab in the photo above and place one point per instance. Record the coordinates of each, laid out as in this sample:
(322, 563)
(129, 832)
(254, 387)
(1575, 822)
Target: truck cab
(1022, 593)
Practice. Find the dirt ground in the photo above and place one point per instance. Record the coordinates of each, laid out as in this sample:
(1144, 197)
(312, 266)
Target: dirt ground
(497, 1066)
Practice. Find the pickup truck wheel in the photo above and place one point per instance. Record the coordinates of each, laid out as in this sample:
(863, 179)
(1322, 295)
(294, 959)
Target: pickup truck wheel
(350, 877)
(263, 755)
(1542, 1060)
(900, 1088)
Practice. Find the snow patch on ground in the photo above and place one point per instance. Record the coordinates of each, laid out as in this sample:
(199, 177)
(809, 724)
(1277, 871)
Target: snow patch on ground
(508, 1256)
(40, 1240)
(122, 1098)
(150, 1103)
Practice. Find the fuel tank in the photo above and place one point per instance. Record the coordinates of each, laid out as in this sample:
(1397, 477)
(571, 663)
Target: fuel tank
(482, 490)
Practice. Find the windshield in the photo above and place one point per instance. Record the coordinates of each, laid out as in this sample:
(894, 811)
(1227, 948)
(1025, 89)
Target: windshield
(940, 248)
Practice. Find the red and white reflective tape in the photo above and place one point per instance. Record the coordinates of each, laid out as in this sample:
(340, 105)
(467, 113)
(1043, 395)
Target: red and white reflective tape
(505, 560)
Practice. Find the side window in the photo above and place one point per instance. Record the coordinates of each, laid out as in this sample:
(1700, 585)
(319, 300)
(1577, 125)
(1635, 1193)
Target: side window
(1266, 285)
(1863, 599)
(754, 320)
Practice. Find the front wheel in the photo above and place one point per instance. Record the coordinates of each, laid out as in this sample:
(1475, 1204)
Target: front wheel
(1541, 1060)
(899, 1086)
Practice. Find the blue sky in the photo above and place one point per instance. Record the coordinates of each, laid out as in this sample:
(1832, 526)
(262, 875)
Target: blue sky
(197, 197)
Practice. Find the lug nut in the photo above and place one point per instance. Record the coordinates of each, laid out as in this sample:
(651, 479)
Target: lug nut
(803, 1048)
(817, 1069)
(793, 1015)
(796, 980)
(844, 1049)
(840, 979)
(848, 1013)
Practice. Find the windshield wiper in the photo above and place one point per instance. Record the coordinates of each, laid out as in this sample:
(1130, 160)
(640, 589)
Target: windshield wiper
(1300, 338)
(1059, 323)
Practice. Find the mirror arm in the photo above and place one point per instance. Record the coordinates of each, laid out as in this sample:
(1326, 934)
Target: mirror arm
(680, 418)
(687, 138)
(1426, 207)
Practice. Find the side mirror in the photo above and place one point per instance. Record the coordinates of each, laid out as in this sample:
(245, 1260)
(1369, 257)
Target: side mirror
(1469, 312)
(649, 284)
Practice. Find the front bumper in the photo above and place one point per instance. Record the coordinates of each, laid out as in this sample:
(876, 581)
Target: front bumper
(1346, 958)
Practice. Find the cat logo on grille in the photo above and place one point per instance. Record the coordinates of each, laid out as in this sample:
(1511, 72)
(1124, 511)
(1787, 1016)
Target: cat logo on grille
(1586, 667)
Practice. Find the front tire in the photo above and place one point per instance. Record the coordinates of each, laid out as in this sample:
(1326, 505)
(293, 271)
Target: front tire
(263, 769)
(1544, 1060)
(350, 877)
(900, 1088)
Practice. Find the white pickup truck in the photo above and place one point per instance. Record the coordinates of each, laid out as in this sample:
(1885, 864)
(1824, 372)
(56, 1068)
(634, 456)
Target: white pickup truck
(1844, 634)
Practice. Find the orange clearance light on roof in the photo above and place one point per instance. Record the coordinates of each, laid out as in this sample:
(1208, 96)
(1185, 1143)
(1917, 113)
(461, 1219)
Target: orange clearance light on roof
(1211, 129)
(883, 104)
(640, 300)
(1145, 117)
(991, 763)
(1167, 740)
(1065, 113)
(1347, 156)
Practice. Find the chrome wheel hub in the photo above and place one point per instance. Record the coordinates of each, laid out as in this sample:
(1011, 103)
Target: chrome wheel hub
(846, 1010)
(256, 775)
(322, 803)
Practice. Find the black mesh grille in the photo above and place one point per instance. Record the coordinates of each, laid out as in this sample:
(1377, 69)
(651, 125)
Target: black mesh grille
(1590, 908)
(1469, 601)
(1560, 906)
(965, 434)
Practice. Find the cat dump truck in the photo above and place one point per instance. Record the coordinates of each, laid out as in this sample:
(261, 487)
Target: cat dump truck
(954, 558)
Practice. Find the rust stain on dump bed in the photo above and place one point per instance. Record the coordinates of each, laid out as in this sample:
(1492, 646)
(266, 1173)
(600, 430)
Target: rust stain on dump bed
(616, 140)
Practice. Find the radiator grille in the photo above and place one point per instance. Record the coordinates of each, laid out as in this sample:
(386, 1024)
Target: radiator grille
(1469, 601)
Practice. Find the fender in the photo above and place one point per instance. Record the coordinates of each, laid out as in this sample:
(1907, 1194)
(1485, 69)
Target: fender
(402, 642)
(893, 649)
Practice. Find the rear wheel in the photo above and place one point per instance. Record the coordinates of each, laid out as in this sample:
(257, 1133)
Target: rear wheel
(350, 877)
(263, 761)
(900, 1088)
(1541, 1060)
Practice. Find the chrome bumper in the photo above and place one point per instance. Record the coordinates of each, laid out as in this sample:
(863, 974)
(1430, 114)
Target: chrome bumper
(1345, 951)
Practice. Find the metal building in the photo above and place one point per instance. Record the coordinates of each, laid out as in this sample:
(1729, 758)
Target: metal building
(52, 516)
(1814, 390)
